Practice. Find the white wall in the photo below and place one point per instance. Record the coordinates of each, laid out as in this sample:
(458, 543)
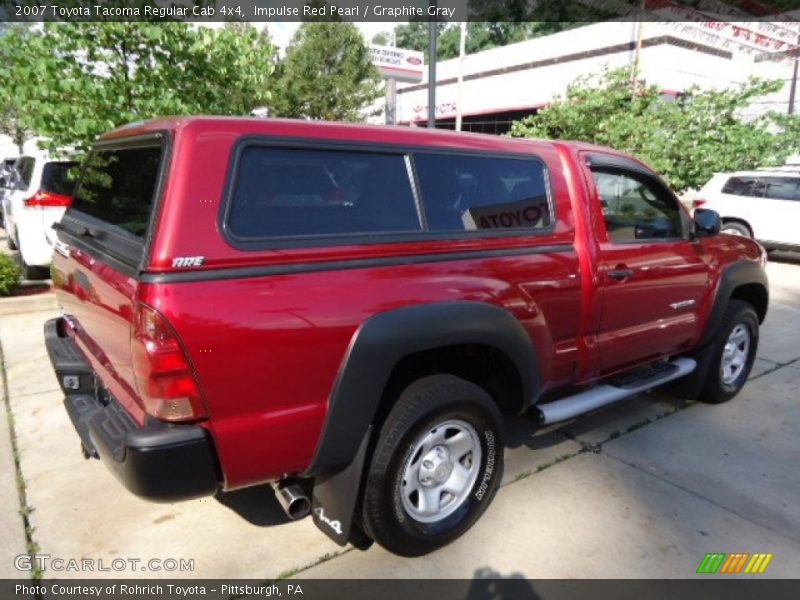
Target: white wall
(670, 67)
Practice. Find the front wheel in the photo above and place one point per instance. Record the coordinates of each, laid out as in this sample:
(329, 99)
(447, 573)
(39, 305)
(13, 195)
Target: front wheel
(733, 355)
(436, 467)
(736, 228)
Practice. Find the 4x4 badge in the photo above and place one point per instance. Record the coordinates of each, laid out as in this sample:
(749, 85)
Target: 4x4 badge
(335, 525)
(188, 261)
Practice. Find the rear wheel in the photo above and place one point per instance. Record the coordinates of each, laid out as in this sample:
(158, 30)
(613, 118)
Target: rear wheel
(736, 228)
(733, 355)
(436, 466)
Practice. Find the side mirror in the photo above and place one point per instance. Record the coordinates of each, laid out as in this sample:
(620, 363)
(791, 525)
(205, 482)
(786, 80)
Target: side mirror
(706, 222)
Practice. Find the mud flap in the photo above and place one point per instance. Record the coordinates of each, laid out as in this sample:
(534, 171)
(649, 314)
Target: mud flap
(335, 497)
(689, 387)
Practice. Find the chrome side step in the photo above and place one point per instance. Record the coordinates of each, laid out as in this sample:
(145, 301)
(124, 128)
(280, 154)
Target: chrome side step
(572, 406)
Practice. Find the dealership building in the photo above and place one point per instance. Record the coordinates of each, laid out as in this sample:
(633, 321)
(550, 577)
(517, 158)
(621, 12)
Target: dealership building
(508, 83)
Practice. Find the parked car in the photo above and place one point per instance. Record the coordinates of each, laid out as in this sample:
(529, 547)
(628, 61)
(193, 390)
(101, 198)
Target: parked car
(225, 324)
(762, 204)
(41, 192)
(6, 177)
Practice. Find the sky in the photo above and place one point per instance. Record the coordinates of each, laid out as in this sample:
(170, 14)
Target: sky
(282, 32)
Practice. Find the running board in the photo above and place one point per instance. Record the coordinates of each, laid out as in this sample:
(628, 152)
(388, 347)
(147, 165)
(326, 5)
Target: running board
(624, 387)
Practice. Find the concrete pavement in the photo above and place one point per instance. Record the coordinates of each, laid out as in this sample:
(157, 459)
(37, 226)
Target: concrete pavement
(640, 489)
(12, 529)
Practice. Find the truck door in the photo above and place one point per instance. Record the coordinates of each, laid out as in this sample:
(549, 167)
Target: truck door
(652, 275)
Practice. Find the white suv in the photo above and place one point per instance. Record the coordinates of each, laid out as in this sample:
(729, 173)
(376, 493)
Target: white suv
(39, 193)
(762, 204)
(6, 177)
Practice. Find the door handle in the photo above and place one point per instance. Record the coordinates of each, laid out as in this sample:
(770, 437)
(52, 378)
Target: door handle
(620, 273)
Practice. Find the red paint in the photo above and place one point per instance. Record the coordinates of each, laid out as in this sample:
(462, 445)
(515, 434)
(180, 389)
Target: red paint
(265, 350)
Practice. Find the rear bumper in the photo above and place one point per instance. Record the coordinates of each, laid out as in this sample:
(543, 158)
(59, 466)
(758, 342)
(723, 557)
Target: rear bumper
(156, 461)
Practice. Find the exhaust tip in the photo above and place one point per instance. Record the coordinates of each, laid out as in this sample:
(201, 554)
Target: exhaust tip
(299, 508)
(293, 500)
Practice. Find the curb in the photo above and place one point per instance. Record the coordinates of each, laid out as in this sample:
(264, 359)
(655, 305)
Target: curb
(26, 304)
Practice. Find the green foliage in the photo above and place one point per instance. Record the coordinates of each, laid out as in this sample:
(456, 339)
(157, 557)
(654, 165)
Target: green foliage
(69, 82)
(327, 74)
(93, 76)
(21, 56)
(414, 36)
(381, 38)
(9, 275)
(701, 133)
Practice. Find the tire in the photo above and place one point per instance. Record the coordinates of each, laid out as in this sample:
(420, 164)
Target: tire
(434, 418)
(736, 228)
(34, 273)
(10, 243)
(724, 379)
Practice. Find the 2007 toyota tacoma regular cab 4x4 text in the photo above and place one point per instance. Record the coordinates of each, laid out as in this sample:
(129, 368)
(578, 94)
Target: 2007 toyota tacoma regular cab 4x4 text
(353, 308)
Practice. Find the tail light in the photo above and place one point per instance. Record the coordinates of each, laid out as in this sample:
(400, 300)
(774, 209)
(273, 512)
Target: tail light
(43, 198)
(698, 203)
(163, 374)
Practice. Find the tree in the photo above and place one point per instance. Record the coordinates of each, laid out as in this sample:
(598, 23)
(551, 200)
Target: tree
(23, 57)
(102, 75)
(414, 36)
(701, 133)
(483, 35)
(381, 38)
(327, 74)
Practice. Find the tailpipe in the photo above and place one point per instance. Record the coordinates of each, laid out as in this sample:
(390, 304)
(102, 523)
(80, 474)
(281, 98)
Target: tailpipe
(293, 500)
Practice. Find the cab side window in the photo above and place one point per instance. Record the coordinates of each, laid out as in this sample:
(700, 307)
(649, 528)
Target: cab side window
(782, 188)
(25, 168)
(480, 193)
(635, 208)
(744, 186)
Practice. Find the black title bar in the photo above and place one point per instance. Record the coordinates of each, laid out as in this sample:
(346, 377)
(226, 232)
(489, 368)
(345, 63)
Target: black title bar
(397, 10)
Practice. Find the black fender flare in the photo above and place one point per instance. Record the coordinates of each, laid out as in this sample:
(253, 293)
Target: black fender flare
(385, 338)
(732, 276)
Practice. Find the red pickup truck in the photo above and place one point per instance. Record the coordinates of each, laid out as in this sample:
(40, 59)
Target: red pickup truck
(346, 311)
